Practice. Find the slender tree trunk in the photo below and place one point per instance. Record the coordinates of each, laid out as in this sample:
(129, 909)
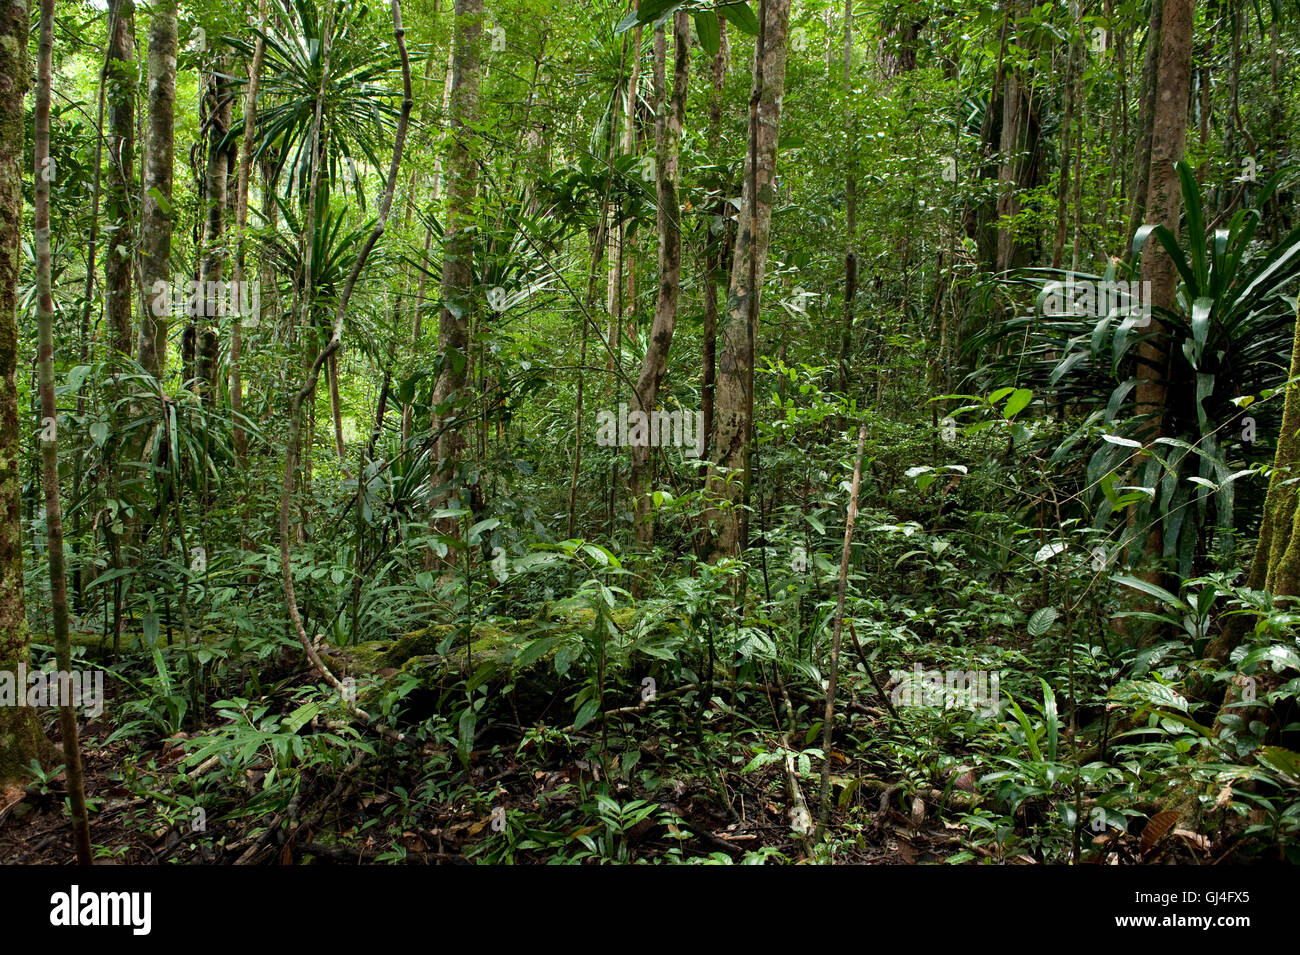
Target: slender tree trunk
(1067, 130)
(850, 204)
(119, 229)
(212, 273)
(735, 403)
(156, 200)
(236, 380)
(1146, 118)
(669, 118)
(1164, 198)
(458, 248)
(1164, 207)
(1019, 168)
(713, 258)
(49, 433)
(616, 303)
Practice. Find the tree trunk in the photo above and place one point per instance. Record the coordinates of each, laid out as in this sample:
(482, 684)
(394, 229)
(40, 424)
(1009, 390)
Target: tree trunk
(1018, 172)
(49, 432)
(615, 301)
(1146, 118)
(850, 204)
(735, 395)
(156, 200)
(212, 273)
(713, 258)
(669, 118)
(1164, 198)
(236, 381)
(21, 739)
(458, 246)
(119, 229)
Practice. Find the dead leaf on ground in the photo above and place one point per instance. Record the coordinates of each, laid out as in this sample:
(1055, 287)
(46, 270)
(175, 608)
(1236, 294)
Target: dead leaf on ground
(1155, 830)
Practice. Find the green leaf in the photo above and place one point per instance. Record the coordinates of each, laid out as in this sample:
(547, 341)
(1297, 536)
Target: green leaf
(1017, 403)
(1153, 590)
(1147, 694)
(586, 714)
(534, 650)
(706, 26)
(1285, 761)
(301, 716)
(1042, 621)
(741, 16)
(1049, 715)
(647, 11)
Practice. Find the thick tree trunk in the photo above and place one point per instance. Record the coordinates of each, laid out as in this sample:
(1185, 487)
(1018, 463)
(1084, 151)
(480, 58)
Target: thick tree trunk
(21, 739)
(458, 246)
(156, 199)
(729, 478)
(669, 118)
(119, 229)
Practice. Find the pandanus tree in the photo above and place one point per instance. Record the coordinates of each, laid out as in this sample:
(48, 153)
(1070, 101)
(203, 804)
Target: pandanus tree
(348, 68)
(1227, 338)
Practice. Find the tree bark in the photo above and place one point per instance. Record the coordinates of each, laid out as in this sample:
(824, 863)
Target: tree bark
(212, 273)
(21, 739)
(236, 380)
(713, 257)
(1146, 118)
(119, 229)
(669, 118)
(1164, 198)
(458, 246)
(850, 204)
(735, 395)
(49, 432)
(156, 201)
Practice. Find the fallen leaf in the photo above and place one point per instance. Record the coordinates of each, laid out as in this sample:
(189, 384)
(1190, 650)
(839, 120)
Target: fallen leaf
(918, 811)
(1155, 830)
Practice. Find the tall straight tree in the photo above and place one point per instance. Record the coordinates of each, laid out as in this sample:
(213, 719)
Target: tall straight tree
(156, 201)
(714, 254)
(1018, 171)
(49, 428)
(21, 739)
(119, 230)
(735, 395)
(669, 118)
(236, 381)
(850, 204)
(1164, 196)
(458, 242)
(215, 182)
